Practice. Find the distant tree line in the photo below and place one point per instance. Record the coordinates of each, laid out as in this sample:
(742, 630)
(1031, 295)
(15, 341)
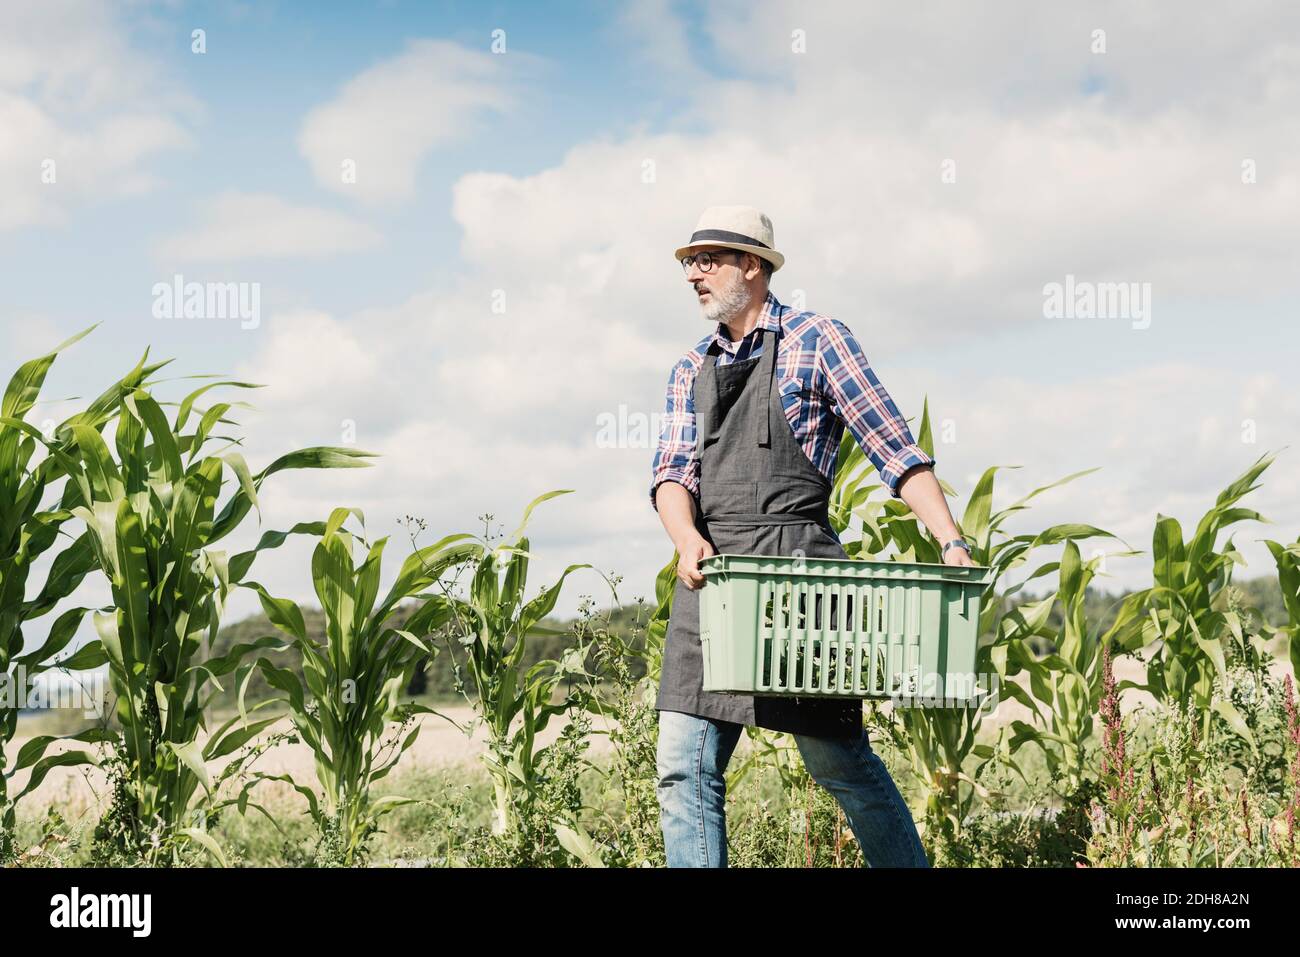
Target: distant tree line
(437, 676)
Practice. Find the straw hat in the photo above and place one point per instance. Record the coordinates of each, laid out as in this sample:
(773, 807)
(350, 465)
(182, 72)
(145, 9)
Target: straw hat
(735, 227)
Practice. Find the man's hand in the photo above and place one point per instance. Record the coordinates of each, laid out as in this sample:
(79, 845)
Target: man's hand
(689, 555)
(677, 512)
(958, 556)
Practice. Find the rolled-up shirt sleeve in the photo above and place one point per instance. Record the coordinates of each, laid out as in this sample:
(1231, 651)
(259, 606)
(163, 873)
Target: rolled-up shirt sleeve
(676, 458)
(858, 398)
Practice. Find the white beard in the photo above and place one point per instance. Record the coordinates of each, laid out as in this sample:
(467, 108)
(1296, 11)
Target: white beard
(727, 302)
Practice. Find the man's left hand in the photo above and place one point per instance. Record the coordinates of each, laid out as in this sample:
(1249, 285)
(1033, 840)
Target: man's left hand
(958, 556)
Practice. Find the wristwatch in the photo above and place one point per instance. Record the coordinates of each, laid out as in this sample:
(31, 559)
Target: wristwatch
(955, 543)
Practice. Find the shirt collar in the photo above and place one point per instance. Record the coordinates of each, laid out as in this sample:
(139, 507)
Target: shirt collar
(769, 318)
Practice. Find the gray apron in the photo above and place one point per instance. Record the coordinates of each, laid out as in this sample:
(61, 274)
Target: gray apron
(759, 495)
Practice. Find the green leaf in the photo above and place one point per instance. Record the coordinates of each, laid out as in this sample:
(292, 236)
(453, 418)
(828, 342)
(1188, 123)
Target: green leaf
(542, 605)
(232, 659)
(204, 840)
(925, 439)
(574, 839)
(143, 405)
(975, 522)
(390, 802)
(282, 612)
(34, 749)
(100, 470)
(25, 386)
(319, 457)
(191, 755)
(242, 562)
(1167, 550)
(312, 801)
(219, 746)
(183, 414)
(44, 766)
(61, 632)
(193, 504)
(240, 468)
(132, 584)
(1235, 721)
(544, 497)
(89, 656)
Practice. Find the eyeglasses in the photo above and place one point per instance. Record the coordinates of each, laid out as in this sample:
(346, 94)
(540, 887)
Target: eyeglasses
(705, 260)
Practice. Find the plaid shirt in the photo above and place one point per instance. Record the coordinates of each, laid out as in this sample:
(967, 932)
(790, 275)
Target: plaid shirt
(825, 382)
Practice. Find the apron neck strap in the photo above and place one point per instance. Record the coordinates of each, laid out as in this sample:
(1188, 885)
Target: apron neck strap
(767, 373)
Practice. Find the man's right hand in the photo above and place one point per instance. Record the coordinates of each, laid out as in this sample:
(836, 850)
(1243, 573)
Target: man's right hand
(689, 555)
(677, 511)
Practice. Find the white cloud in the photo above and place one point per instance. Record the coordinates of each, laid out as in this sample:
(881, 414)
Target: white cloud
(77, 102)
(256, 226)
(476, 410)
(72, 55)
(1165, 443)
(664, 40)
(469, 419)
(897, 67)
(30, 335)
(388, 118)
(311, 355)
(843, 147)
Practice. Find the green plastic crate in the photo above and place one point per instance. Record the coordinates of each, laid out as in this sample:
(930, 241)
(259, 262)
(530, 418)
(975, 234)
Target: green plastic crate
(837, 628)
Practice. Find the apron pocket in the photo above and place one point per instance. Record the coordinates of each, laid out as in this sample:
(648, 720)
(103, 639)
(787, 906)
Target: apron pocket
(717, 498)
(791, 494)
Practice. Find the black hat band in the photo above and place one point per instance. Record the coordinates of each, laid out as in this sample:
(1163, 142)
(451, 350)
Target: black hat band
(724, 236)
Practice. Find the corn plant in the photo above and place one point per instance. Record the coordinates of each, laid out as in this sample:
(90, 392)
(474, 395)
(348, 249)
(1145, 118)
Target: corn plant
(1186, 615)
(937, 741)
(491, 623)
(29, 530)
(1287, 559)
(1065, 685)
(349, 712)
(152, 519)
(656, 632)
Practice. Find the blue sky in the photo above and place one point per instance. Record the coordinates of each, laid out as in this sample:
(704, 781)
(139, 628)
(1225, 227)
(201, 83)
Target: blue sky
(524, 174)
(265, 67)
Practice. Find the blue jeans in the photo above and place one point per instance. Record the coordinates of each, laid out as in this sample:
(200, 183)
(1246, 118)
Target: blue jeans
(692, 760)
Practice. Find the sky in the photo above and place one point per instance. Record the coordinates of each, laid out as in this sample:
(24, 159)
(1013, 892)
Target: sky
(459, 221)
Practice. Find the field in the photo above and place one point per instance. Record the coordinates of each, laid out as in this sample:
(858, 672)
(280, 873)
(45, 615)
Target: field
(452, 720)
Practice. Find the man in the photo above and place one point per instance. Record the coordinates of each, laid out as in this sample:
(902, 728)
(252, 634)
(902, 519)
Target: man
(745, 463)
